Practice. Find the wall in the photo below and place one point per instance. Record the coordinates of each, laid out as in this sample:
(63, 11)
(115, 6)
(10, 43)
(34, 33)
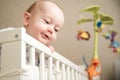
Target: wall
(11, 14)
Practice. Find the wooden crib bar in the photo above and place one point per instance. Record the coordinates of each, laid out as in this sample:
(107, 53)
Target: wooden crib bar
(15, 46)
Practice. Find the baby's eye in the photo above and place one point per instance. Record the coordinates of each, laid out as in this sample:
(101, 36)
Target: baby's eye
(47, 22)
(56, 30)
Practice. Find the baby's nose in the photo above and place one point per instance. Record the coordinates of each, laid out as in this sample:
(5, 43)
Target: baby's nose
(50, 30)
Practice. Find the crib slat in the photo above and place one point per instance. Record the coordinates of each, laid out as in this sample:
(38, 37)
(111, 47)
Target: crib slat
(72, 74)
(82, 77)
(68, 73)
(32, 56)
(76, 75)
(79, 77)
(42, 66)
(32, 62)
(50, 69)
(57, 64)
(63, 72)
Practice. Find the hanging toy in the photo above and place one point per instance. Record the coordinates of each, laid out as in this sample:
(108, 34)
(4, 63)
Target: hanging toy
(107, 35)
(114, 44)
(113, 34)
(94, 69)
(83, 35)
(100, 26)
(99, 23)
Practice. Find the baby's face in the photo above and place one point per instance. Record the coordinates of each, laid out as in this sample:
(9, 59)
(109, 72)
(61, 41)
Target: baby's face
(45, 23)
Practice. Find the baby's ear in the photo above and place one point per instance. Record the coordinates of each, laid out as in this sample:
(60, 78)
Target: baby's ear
(26, 18)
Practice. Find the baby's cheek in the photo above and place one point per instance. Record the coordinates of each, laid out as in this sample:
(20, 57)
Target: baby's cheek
(54, 37)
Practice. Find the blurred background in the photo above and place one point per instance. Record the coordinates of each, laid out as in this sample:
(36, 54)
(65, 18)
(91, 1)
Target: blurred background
(11, 15)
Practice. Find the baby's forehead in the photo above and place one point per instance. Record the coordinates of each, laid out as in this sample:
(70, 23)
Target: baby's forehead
(40, 5)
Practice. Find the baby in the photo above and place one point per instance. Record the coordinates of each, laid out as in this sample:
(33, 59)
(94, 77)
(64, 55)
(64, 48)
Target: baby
(43, 20)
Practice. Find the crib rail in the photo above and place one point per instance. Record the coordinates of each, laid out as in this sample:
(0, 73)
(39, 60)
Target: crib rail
(14, 64)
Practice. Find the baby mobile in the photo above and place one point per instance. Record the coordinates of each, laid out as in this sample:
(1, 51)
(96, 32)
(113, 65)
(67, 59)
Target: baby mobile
(99, 21)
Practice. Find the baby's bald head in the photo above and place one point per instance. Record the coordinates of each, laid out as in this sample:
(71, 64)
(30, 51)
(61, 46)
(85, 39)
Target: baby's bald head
(39, 4)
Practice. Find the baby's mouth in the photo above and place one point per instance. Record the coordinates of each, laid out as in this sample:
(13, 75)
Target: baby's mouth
(45, 36)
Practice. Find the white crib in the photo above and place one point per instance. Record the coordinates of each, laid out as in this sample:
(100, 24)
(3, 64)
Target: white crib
(14, 65)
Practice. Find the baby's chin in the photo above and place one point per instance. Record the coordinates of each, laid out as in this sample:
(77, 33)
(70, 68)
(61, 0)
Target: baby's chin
(44, 41)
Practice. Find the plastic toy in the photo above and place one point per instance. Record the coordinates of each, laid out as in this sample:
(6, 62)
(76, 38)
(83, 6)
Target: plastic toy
(99, 20)
(83, 35)
(94, 69)
(100, 26)
(113, 43)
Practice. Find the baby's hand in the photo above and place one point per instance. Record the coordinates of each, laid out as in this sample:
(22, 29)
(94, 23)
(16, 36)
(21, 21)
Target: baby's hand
(51, 48)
